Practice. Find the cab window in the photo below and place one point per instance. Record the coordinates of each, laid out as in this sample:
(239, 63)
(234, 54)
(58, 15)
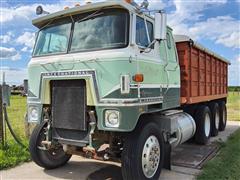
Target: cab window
(141, 32)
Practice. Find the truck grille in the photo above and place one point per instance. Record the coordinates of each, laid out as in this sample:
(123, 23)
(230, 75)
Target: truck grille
(69, 105)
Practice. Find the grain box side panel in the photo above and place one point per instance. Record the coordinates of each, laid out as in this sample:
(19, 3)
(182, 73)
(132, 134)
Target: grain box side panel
(195, 71)
(183, 56)
(203, 76)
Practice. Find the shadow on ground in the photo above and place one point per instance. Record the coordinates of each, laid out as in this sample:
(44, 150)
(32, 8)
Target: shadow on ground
(87, 170)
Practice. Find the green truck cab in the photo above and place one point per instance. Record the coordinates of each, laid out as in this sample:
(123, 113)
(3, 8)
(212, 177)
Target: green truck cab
(106, 73)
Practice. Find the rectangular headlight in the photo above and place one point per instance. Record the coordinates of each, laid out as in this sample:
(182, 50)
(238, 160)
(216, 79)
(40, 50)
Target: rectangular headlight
(112, 118)
(34, 114)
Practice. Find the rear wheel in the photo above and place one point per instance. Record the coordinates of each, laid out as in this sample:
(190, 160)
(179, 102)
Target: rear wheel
(47, 158)
(223, 116)
(203, 125)
(143, 152)
(215, 119)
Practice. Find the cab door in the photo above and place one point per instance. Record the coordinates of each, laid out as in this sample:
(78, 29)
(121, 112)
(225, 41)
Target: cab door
(148, 61)
(172, 68)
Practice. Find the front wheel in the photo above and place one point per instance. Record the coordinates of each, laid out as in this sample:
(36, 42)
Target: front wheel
(143, 152)
(47, 158)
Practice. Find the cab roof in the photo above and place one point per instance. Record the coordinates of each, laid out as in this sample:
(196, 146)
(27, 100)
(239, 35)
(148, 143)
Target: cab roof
(41, 21)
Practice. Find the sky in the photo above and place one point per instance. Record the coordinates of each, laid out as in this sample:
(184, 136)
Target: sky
(213, 23)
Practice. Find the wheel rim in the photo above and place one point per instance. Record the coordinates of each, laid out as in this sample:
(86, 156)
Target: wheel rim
(207, 125)
(150, 156)
(217, 119)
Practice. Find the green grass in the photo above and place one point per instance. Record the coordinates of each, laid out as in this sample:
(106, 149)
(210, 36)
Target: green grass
(226, 165)
(233, 106)
(13, 154)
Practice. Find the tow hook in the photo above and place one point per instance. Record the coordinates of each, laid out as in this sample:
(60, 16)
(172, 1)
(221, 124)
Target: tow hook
(92, 128)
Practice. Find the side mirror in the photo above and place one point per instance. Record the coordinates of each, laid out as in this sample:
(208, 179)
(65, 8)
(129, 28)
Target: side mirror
(160, 26)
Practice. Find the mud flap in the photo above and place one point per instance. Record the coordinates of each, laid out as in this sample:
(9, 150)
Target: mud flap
(167, 156)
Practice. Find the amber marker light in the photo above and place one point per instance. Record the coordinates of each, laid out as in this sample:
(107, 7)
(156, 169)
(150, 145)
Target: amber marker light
(138, 77)
(77, 5)
(128, 1)
(66, 8)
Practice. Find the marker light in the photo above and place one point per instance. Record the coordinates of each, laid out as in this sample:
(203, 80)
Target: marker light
(138, 77)
(66, 8)
(77, 5)
(129, 1)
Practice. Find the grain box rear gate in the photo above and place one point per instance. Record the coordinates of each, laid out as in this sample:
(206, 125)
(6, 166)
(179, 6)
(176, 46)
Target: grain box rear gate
(204, 75)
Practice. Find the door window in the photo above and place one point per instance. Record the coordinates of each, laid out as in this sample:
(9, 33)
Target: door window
(143, 39)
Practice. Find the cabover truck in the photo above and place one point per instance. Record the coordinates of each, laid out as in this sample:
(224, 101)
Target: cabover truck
(109, 81)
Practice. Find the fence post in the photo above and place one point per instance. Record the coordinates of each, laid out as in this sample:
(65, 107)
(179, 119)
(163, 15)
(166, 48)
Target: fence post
(1, 119)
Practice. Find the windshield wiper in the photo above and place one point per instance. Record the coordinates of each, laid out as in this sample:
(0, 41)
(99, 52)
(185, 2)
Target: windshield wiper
(93, 15)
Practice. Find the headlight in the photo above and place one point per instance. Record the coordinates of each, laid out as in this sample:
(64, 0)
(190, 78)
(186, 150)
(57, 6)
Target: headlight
(33, 114)
(112, 118)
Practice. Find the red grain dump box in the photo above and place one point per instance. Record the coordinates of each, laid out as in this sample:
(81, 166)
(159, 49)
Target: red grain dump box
(204, 75)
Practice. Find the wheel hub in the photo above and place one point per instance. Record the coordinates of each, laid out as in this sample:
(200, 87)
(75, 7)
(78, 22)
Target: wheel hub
(224, 116)
(207, 125)
(150, 156)
(217, 119)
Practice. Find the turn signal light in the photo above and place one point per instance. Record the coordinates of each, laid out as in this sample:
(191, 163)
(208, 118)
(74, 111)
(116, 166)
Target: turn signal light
(138, 77)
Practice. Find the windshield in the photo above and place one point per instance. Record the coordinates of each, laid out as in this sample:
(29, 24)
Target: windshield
(53, 40)
(108, 30)
(102, 29)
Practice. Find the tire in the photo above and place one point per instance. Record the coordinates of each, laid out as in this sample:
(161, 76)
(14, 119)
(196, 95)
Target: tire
(223, 116)
(203, 125)
(136, 152)
(215, 119)
(48, 159)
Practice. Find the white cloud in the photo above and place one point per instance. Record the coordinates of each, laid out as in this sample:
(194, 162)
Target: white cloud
(26, 13)
(5, 38)
(9, 54)
(186, 20)
(234, 72)
(9, 14)
(13, 76)
(27, 39)
(230, 40)
(192, 10)
(25, 49)
(221, 29)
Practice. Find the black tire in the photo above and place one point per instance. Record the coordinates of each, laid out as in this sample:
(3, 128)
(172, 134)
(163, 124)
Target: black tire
(133, 152)
(215, 119)
(45, 158)
(203, 125)
(223, 116)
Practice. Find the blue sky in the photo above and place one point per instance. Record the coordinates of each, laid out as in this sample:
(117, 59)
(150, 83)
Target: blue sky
(213, 23)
